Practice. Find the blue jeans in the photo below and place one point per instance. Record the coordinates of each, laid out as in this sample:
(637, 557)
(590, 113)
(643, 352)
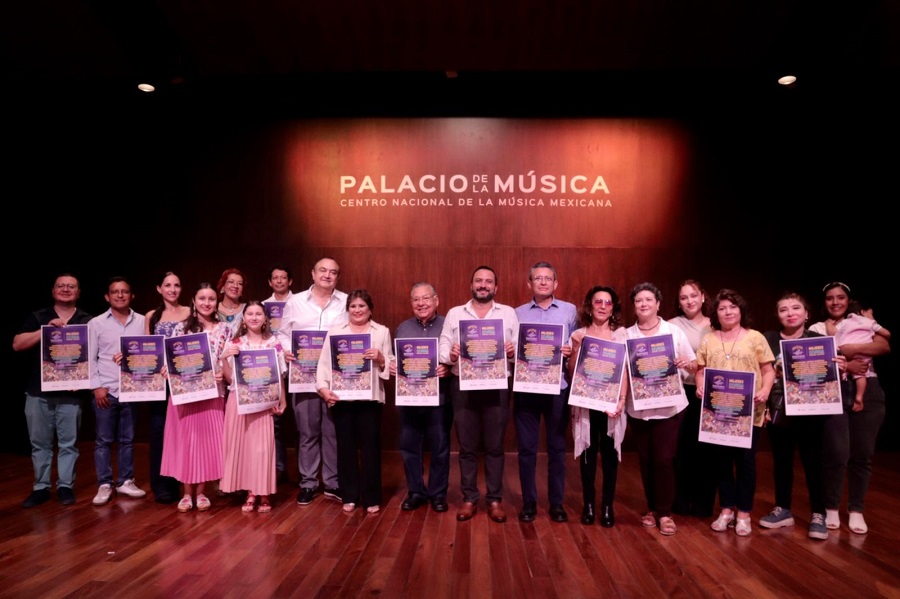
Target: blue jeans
(46, 418)
(115, 424)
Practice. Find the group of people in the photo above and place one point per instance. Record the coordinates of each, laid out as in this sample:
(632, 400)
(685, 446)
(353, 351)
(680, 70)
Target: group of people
(339, 439)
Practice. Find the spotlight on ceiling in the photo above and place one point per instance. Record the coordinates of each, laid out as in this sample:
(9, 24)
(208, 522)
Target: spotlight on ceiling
(787, 80)
(146, 87)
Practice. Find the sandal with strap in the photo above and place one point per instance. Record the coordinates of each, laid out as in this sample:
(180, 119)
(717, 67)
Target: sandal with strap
(667, 526)
(203, 503)
(264, 506)
(742, 528)
(250, 504)
(648, 520)
(723, 522)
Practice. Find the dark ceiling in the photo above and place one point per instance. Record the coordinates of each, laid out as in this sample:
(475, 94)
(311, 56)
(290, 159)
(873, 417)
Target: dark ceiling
(509, 56)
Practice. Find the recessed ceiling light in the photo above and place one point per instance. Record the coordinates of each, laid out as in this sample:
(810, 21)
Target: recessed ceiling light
(146, 87)
(787, 80)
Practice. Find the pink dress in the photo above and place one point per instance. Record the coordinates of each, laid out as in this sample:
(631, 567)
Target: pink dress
(192, 442)
(250, 439)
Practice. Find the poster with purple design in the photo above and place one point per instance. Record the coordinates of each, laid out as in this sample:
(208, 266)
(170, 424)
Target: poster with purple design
(726, 416)
(482, 355)
(306, 346)
(599, 370)
(417, 379)
(190, 367)
(65, 365)
(655, 382)
(257, 380)
(274, 312)
(352, 376)
(538, 367)
(141, 369)
(812, 383)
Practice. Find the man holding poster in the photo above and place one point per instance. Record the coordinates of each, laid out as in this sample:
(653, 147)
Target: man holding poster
(529, 407)
(480, 415)
(429, 424)
(114, 419)
(51, 413)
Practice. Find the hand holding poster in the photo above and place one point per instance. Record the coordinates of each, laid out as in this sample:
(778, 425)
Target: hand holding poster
(655, 382)
(726, 416)
(65, 365)
(306, 347)
(482, 355)
(352, 376)
(597, 380)
(539, 358)
(190, 367)
(257, 380)
(140, 372)
(417, 379)
(812, 384)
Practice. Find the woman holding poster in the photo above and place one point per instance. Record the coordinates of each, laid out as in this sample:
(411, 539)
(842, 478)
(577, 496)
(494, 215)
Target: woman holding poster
(192, 446)
(600, 316)
(656, 429)
(734, 346)
(850, 437)
(249, 439)
(357, 422)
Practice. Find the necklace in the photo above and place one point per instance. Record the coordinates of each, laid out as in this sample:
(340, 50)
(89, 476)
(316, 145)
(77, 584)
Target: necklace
(640, 328)
(722, 339)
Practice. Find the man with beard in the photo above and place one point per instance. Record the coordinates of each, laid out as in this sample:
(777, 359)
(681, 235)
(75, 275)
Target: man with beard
(480, 415)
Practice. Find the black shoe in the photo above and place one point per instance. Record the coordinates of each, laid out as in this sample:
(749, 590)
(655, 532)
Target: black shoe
(587, 514)
(528, 512)
(607, 517)
(333, 493)
(558, 513)
(412, 502)
(305, 496)
(65, 495)
(37, 497)
(439, 504)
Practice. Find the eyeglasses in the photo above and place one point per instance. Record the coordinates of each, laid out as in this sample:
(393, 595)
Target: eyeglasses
(120, 292)
(602, 302)
(424, 298)
(543, 279)
(65, 286)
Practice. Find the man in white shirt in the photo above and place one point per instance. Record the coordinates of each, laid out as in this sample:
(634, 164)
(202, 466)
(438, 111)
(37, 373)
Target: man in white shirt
(318, 308)
(480, 416)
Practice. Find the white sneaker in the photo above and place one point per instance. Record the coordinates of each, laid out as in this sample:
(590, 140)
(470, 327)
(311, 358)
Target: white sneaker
(131, 489)
(103, 495)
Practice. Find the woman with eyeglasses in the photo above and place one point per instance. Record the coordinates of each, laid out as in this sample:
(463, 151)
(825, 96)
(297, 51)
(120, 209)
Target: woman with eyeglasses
(231, 290)
(733, 345)
(695, 489)
(600, 316)
(656, 429)
(850, 437)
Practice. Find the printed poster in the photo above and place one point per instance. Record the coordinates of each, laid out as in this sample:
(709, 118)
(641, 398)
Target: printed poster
(599, 371)
(306, 346)
(65, 361)
(482, 355)
(417, 380)
(812, 383)
(655, 382)
(141, 370)
(352, 376)
(190, 367)
(726, 417)
(539, 362)
(257, 380)
(274, 312)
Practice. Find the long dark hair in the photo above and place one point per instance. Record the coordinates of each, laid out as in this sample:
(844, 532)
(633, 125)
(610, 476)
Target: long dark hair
(157, 313)
(704, 307)
(585, 315)
(193, 323)
(264, 330)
